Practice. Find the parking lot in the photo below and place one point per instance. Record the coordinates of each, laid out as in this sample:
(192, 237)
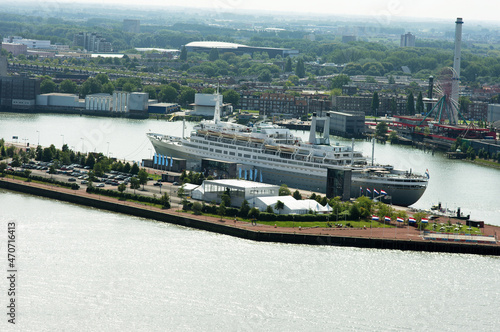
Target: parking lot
(111, 180)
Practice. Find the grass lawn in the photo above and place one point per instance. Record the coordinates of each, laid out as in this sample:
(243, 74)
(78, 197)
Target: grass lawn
(323, 224)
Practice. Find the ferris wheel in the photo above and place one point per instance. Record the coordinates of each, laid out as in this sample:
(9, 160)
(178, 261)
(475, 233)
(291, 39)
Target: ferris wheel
(446, 108)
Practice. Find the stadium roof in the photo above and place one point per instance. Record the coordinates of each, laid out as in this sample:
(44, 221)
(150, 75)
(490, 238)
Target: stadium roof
(214, 44)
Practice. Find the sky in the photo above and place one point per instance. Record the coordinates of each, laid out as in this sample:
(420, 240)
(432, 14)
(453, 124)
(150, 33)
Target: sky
(383, 11)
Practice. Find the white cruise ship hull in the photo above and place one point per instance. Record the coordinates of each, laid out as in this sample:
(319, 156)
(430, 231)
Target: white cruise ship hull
(295, 174)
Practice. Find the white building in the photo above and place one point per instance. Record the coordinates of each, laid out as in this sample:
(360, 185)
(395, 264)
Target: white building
(240, 190)
(30, 43)
(58, 100)
(121, 102)
(291, 205)
(493, 112)
(204, 104)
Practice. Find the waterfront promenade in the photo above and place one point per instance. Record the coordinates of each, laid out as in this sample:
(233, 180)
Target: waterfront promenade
(404, 237)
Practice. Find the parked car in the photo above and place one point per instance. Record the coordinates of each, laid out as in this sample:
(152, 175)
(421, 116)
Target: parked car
(100, 185)
(71, 180)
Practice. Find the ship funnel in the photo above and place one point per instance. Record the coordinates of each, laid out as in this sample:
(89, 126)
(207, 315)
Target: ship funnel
(326, 131)
(312, 133)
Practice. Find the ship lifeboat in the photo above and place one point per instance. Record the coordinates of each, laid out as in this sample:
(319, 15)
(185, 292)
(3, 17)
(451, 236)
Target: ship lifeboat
(287, 149)
(272, 147)
(256, 139)
(202, 132)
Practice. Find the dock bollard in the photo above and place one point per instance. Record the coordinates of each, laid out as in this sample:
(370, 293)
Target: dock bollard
(274, 225)
(300, 228)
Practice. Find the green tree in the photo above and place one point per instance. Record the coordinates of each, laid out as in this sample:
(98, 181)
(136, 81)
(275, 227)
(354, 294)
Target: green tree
(90, 160)
(284, 191)
(187, 95)
(339, 81)
(213, 55)
(134, 183)
(197, 208)
(143, 177)
(103, 78)
(393, 136)
(68, 86)
(90, 86)
(410, 104)
(297, 195)
(265, 76)
(221, 210)
(244, 209)
(184, 54)
(122, 187)
(381, 129)
(300, 69)
(151, 90)
(108, 88)
(165, 201)
(167, 94)
(231, 96)
(279, 206)
(288, 65)
(420, 104)
(375, 104)
(135, 169)
(48, 86)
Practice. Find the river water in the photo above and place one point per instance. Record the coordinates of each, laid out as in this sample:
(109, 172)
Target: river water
(454, 183)
(83, 269)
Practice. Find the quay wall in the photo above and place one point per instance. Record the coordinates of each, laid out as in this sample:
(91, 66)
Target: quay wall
(296, 237)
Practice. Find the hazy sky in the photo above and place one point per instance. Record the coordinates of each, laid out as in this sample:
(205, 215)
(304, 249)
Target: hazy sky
(380, 10)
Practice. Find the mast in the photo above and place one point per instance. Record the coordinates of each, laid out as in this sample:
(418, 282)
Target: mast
(352, 152)
(373, 149)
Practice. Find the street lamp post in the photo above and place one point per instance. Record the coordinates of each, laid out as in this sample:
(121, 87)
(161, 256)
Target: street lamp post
(38, 142)
(107, 154)
(62, 139)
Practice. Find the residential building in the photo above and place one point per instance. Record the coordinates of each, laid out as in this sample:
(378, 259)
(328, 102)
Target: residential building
(407, 40)
(92, 42)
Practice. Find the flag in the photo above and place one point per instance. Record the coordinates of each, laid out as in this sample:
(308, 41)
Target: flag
(427, 173)
(165, 160)
(260, 175)
(250, 175)
(171, 161)
(383, 192)
(375, 218)
(255, 176)
(387, 218)
(375, 191)
(368, 191)
(400, 219)
(155, 159)
(240, 173)
(424, 220)
(360, 191)
(411, 219)
(246, 174)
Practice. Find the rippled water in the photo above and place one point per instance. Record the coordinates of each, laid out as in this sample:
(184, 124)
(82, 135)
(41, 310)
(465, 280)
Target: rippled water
(454, 183)
(83, 269)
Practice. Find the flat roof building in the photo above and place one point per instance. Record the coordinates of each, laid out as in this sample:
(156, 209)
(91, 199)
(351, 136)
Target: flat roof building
(238, 49)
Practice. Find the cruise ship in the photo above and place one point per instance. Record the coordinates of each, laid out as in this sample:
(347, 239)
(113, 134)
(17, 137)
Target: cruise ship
(277, 156)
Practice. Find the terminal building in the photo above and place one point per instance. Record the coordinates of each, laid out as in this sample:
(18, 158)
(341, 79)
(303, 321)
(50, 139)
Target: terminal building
(238, 49)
